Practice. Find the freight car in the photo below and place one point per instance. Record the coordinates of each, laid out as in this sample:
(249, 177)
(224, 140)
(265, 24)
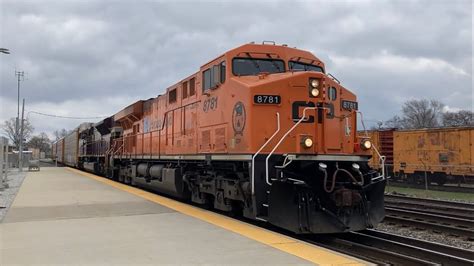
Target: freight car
(58, 151)
(445, 154)
(54, 147)
(66, 150)
(261, 131)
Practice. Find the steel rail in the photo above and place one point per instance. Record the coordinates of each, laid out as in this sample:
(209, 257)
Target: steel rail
(429, 209)
(370, 253)
(441, 248)
(449, 204)
(434, 218)
(457, 231)
(432, 207)
(385, 248)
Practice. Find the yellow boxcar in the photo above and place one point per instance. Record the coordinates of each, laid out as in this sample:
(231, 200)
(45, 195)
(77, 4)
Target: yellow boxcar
(444, 153)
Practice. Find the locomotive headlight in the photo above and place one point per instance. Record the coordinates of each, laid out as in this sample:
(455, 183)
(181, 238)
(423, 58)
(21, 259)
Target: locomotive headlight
(307, 142)
(313, 88)
(314, 92)
(366, 144)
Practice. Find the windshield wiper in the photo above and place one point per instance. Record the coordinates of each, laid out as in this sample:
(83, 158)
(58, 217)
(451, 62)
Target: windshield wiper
(257, 66)
(273, 63)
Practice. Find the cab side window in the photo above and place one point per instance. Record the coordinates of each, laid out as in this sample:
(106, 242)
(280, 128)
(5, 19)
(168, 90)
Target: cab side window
(222, 71)
(214, 76)
(332, 94)
(184, 87)
(206, 76)
(192, 84)
(172, 96)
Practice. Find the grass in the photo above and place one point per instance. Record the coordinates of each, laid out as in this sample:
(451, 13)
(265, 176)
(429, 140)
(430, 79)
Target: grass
(431, 194)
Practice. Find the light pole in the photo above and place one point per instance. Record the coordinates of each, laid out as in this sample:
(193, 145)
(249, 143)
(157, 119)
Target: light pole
(20, 154)
(20, 75)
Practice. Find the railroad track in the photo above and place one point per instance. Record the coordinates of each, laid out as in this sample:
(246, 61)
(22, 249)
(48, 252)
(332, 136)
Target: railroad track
(438, 216)
(390, 249)
(447, 208)
(446, 187)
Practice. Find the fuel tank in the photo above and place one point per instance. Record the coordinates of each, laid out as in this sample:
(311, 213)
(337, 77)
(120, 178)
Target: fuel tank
(164, 180)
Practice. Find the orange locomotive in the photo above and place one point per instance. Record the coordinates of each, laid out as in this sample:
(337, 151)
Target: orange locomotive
(261, 130)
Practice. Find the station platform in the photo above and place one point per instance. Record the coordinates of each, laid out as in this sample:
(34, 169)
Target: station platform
(65, 216)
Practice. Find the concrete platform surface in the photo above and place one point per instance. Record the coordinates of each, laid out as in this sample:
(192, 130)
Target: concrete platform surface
(63, 217)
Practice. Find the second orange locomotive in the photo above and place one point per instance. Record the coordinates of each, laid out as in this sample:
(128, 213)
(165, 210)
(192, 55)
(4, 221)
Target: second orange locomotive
(261, 130)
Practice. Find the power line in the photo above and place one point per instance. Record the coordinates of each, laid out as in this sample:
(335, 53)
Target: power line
(67, 117)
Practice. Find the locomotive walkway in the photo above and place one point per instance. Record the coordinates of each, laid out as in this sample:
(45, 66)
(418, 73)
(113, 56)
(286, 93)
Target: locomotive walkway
(64, 216)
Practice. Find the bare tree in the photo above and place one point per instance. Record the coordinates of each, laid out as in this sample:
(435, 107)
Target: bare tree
(58, 134)
(41, 142)
(422, 113)
(456, 119)
(9, 129)
(395, 122)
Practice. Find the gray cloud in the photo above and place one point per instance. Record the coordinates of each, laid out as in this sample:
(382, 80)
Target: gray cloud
(92, 58)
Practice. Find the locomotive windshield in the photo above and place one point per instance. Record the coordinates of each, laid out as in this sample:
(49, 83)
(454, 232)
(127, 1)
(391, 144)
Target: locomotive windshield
(298, 66)
(254, 66)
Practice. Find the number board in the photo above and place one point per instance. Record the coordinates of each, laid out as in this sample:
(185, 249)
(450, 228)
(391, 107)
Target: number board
(266, 99)
(349, 105)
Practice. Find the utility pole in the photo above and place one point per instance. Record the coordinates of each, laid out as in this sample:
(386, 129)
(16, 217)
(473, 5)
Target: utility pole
(3, 163)
(20, 75)
(20, 154)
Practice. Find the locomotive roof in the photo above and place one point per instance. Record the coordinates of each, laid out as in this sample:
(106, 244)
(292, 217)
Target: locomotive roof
(283, 51)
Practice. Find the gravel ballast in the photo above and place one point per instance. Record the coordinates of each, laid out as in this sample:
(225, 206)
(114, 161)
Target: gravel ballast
(7, 195)
(426, 235)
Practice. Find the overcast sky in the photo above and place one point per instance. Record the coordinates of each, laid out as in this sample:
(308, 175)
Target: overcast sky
(92, 58)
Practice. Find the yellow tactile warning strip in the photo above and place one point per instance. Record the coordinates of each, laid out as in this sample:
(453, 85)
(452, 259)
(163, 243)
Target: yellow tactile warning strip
(314, 254)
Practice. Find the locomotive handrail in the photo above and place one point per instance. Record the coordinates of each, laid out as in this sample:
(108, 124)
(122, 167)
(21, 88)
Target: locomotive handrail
(107, 152)
(261, 148)
(160, 129)
(363, 125)
(172, 110)
(381, 157)
(381, 160)
(303, 117)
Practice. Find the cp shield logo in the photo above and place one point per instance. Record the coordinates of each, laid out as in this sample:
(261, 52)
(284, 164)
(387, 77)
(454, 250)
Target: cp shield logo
(238, 118)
